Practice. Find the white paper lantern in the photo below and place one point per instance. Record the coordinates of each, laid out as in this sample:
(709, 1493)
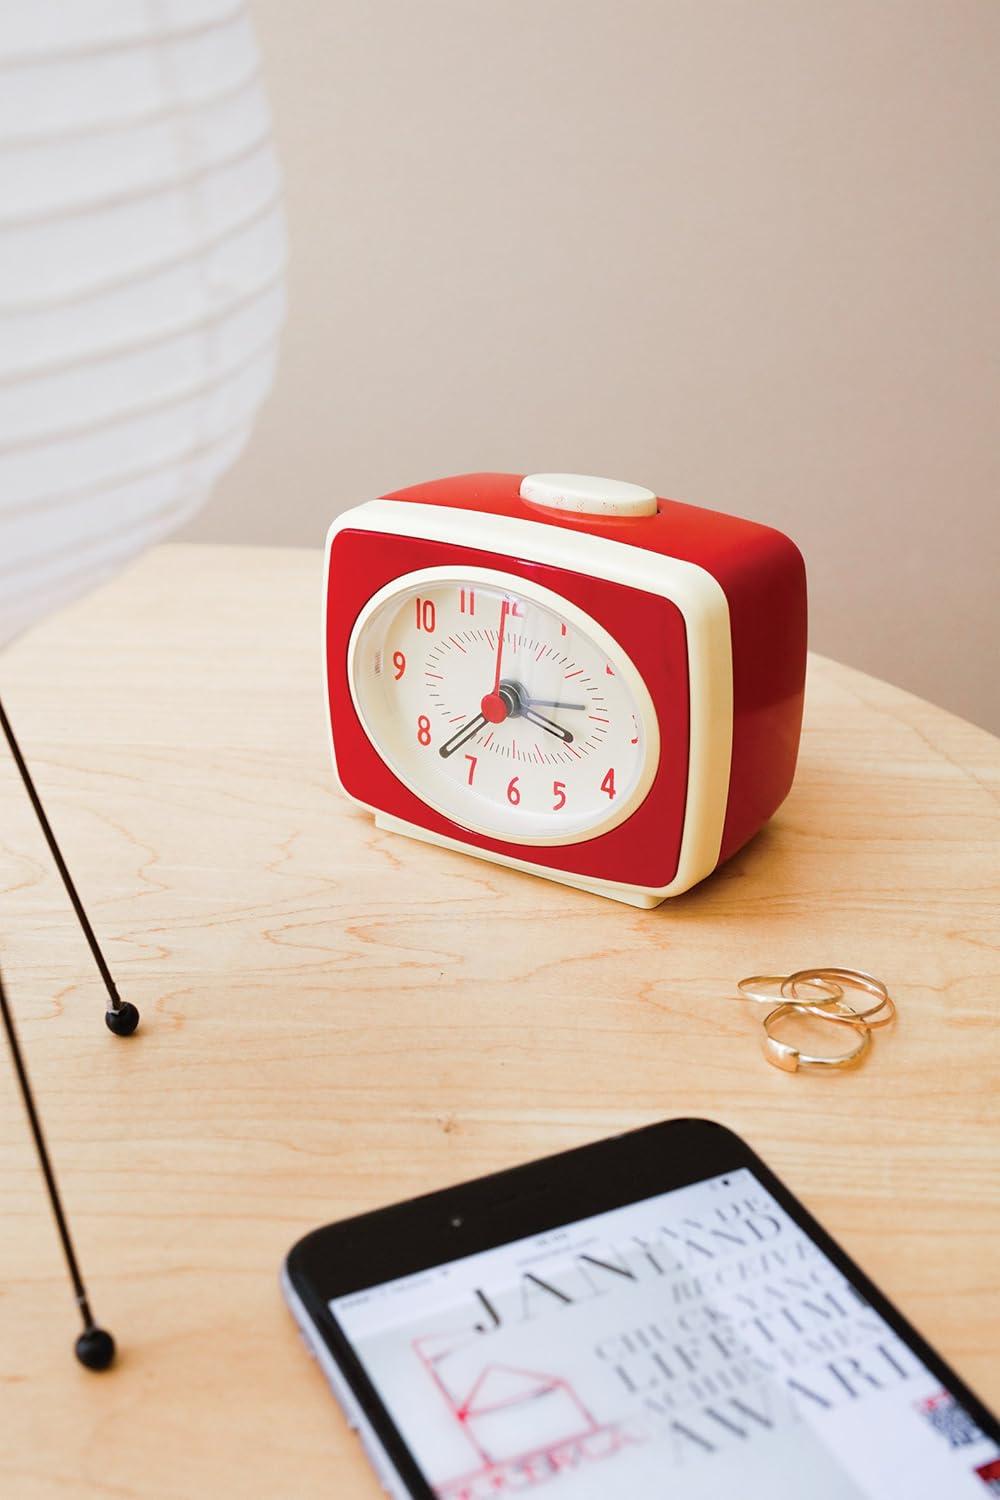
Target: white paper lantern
(141, 278)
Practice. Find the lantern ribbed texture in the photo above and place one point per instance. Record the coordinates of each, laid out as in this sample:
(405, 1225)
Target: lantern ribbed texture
(141, 279)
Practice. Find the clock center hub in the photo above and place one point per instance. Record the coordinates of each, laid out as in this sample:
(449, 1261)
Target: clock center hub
(496, 707)
(506, 703)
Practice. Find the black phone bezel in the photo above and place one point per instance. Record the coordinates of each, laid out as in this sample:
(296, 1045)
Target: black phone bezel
(406, 1238)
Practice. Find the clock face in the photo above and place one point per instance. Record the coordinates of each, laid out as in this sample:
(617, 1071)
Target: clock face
(503, 706)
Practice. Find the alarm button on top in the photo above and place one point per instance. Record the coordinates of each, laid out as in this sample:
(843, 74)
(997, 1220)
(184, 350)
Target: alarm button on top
(587, 495)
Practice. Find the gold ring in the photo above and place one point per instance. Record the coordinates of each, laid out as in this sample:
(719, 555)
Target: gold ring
(752, 989)
(854, 979)
(790, 1059)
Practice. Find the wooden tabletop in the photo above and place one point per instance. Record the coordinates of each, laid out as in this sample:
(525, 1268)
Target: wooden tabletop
(334, 1018)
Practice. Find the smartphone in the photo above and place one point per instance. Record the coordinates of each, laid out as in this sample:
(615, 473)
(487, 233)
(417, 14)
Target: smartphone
(652, 1316)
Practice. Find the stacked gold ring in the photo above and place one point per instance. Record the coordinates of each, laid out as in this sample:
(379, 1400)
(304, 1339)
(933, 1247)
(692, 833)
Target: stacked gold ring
(856, 979)
(829, 1005)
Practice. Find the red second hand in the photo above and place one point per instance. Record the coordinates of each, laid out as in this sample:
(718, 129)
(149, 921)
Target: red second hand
(493, 706)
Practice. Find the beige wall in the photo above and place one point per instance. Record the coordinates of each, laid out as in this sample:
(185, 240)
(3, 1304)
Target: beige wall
(743, 251)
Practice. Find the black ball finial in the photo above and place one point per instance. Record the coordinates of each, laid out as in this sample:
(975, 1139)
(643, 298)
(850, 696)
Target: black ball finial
(122, 1021)
(95, 1348)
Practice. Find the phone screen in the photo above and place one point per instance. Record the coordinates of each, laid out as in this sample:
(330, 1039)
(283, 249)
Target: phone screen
(692, 1345)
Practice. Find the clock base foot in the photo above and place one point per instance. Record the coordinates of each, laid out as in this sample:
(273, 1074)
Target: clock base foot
(623, 894)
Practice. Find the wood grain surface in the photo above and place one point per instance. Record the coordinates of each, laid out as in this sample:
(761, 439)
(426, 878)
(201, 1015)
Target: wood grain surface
(334, 1018)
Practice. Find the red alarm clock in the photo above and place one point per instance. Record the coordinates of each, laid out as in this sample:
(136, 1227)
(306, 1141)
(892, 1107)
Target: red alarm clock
(566, 675)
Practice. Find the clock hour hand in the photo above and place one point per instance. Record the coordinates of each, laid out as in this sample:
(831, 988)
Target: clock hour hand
(549, 724)
(463, 735)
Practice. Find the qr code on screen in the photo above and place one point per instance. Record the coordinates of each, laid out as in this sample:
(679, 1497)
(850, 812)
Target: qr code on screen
(949, 1420)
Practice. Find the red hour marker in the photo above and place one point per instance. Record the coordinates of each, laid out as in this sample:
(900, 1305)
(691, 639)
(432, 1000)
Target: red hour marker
(467, 601)
(426, 615)
(608, 784)
(472, 759)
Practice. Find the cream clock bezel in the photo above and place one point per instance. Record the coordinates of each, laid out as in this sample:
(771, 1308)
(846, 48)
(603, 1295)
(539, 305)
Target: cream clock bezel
(508, 829)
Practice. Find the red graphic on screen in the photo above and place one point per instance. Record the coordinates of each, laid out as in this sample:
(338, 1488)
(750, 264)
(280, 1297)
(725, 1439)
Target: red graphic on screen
(525, 1426)
(990, 1475)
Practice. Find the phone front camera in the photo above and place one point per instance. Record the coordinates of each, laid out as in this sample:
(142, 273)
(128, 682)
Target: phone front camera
(457, 1222)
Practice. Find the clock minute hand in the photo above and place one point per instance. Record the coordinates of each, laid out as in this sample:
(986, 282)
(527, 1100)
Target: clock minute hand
(462, 736)
(549, 724)
(550, 703)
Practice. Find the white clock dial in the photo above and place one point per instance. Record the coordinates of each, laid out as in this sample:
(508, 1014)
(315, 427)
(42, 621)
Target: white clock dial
(503, 706)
